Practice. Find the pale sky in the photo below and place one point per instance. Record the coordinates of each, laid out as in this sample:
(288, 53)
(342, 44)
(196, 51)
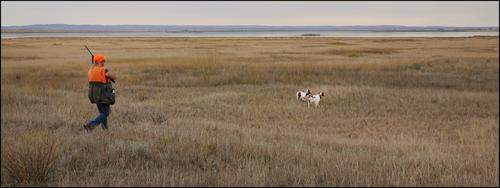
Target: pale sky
(299, 13)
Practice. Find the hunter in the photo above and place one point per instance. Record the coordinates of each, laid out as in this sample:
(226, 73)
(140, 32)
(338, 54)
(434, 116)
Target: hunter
(100, 92)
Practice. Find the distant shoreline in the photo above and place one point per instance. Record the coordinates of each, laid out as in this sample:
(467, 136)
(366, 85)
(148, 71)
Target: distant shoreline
(382, 38)
(66, 28)
(229, 31)
(213, 34)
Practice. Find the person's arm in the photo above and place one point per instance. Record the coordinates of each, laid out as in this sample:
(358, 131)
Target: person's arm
(110, 75)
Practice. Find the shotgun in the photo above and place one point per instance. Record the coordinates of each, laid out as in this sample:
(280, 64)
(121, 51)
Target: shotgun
(92, 58)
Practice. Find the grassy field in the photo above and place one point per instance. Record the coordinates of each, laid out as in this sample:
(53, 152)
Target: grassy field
(222, 112)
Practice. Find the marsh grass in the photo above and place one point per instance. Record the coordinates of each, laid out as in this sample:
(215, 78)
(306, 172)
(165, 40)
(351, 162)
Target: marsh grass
(359, 52)
(20, 58)
(32, 161)
(340, 43)
(222, 112)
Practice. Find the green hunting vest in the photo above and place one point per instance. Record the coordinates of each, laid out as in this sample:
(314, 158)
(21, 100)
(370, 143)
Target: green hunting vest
(101, 93)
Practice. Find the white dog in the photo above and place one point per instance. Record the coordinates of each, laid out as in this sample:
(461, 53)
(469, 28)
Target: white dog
(302, 95)
(314, 99)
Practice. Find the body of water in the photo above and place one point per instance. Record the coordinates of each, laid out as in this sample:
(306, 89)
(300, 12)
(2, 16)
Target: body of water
(251, 34)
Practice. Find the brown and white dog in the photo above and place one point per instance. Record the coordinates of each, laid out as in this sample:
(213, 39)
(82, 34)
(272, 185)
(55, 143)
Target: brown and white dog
(314, 99)
(302, 95)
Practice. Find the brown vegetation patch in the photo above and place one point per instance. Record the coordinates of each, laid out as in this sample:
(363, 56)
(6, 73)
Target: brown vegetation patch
(20, 58)
(359, 52)
(341, 43)
(394, 40)
(312, 46)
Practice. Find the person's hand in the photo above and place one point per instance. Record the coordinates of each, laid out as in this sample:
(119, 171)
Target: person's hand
(111, 76)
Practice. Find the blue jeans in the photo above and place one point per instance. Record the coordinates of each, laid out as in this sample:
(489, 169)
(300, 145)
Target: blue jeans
(102, 119)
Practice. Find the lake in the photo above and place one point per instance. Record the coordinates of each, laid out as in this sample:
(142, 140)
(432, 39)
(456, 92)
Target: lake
(250, 34)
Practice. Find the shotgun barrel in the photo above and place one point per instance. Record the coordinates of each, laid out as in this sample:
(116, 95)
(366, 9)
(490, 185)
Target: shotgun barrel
(92, 60)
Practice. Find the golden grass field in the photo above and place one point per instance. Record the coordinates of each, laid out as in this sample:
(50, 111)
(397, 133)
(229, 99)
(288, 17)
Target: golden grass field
(222, 112)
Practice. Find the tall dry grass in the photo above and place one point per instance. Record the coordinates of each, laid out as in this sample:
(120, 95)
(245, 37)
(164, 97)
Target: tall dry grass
(30, 160)
(222, 112)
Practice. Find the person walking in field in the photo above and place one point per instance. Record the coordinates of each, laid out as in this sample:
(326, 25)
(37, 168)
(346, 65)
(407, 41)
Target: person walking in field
(100, 91)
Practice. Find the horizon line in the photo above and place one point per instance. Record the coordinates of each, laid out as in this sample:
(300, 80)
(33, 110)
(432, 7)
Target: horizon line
(242, 25)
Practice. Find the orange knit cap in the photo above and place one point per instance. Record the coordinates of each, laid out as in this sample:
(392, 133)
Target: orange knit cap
(99, 58)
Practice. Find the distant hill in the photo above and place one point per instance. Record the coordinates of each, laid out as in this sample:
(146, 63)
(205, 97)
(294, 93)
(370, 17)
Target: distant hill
(229, 28)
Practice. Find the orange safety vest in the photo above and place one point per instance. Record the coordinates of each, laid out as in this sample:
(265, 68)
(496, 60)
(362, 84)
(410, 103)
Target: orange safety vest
(97, 74)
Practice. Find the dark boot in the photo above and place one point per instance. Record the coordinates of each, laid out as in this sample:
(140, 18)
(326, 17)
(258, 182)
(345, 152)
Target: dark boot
(87, 127)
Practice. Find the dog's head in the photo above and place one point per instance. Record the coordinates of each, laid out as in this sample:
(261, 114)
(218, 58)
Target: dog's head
(308, 92)
(322, 94)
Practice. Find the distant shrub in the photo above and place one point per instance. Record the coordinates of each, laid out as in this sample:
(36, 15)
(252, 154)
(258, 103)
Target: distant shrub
(414, 66)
